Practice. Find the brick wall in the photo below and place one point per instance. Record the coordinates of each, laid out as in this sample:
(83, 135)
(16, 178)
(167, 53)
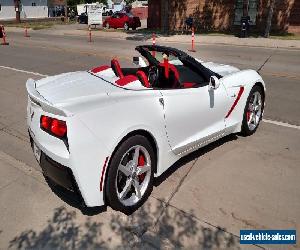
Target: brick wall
(219, 14)
(141, 12)
(207, 14)
(281, 17)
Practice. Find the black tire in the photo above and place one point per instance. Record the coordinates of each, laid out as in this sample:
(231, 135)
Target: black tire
(110, 187)
(133, 28)
(245, 130)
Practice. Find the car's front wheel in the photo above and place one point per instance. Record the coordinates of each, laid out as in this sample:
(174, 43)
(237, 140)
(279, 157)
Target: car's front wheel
(253, 111)
(130, 175)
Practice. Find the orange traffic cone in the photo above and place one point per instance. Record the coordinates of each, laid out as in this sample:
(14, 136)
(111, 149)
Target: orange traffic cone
(3, 36)
(193, 40)
(26, 31)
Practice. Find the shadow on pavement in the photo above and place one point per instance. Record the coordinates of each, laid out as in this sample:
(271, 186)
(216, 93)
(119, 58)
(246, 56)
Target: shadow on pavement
(153, 226)
(175, 229)
(193, 156)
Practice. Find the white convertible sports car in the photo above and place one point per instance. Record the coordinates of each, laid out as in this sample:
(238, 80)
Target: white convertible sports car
(107, 132)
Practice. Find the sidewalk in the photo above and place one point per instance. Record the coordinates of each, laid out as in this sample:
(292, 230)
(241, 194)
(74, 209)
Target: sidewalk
(76, 30)
(34, 218)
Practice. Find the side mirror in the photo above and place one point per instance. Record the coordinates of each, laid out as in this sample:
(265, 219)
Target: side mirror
(214, 82)
(139, 61)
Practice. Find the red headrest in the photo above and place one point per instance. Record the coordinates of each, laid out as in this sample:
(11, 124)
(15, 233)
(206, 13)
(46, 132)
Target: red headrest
(99, 69)
(143, 78)
(115, 65)
(126, 80)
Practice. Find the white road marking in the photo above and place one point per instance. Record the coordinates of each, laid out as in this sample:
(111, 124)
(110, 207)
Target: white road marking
(23, 71)
(282, 124)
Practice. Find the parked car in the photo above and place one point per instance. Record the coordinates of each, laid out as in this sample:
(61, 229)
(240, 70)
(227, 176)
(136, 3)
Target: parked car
(107, 11)
(122, 20)
(107, 132)
(83, 18)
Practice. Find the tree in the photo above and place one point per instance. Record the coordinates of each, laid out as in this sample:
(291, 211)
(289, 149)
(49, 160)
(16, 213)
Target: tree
(269, 19)
(75, 2)
(128, 2)
(165, 16)
(17, 9)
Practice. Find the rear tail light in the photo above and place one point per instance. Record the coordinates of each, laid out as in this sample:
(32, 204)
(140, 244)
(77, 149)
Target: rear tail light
(54, 126)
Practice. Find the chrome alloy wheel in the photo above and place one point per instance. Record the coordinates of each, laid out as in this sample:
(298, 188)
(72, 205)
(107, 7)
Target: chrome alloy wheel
(254, 111)
(133, 176)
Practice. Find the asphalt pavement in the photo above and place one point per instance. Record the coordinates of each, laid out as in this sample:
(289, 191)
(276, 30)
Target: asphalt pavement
(206, 198)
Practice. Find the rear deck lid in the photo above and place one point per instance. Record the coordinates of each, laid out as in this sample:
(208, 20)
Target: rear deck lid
(73, 86)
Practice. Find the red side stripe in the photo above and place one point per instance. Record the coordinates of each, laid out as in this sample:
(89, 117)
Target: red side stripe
(235, 102)
(103, 172)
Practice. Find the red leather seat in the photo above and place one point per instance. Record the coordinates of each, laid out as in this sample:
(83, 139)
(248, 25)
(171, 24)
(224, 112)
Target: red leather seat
(99, 69)
(126, 80)
(115, 65)
(143, 78)
(171, 68)
(188, 85)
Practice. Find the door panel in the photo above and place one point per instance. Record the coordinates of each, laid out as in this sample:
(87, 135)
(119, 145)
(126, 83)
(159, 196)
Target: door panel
(194, 116)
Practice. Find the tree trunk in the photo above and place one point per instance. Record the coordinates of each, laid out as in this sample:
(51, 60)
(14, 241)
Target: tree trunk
(18, 11)
(165, 16)
(270, 16)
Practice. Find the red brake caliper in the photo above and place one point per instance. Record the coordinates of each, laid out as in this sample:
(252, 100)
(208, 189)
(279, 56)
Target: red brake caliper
(141, 164)
(248, 115)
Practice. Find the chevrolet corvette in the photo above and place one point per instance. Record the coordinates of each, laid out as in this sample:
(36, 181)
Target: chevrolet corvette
(107, 132)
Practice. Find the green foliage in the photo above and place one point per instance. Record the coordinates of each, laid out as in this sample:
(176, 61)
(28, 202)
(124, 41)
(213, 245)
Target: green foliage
(128, 2)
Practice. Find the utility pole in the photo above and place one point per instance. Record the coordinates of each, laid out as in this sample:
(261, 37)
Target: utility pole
(269, 19)
(18, 11)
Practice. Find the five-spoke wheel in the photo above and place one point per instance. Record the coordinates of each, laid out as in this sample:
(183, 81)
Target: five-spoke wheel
(130, 175)
(253, 111)
(134, 173)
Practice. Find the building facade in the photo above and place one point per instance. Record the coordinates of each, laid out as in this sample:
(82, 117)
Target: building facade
(223, 15)
(28, 9)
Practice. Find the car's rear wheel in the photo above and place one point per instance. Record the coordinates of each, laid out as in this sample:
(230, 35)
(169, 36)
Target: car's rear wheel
(253, 111)
(130, 175)
(133, 28)
(126, 26)
(107, 26)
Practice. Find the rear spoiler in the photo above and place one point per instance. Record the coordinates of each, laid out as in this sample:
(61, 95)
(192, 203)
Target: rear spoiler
(39, 100)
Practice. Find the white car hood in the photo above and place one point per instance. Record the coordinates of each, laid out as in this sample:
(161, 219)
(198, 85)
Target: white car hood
(72, 87)
(221, 69)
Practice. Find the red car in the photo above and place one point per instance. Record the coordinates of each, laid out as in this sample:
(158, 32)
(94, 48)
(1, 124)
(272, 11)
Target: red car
(122, 20)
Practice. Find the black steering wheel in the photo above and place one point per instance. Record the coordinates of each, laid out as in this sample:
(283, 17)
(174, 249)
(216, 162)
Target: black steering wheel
(153, 75)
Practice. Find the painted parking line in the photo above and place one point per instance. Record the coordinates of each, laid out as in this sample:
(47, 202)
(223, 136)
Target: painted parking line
(282, 124)
(23, 71)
